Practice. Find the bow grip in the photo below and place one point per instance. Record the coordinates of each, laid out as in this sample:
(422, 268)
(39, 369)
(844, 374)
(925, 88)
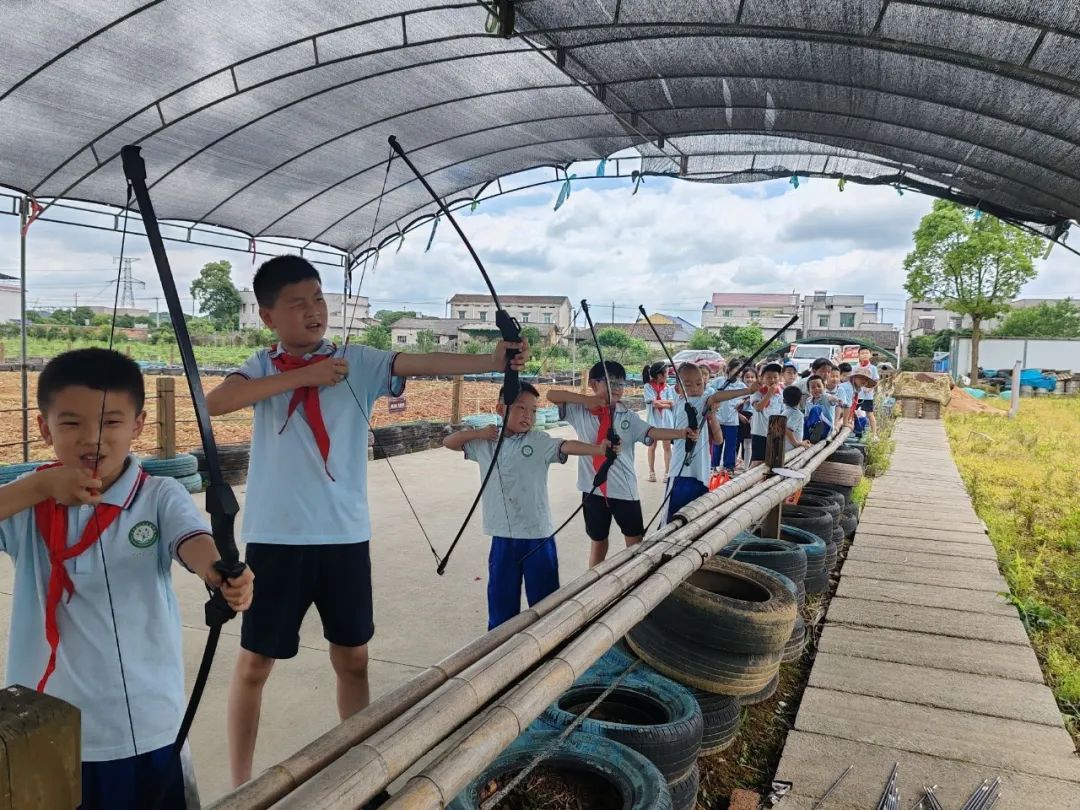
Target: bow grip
(510, 331)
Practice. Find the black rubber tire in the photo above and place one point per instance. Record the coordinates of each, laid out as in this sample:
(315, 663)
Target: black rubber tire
(847, 455)
(811, 518)
(831, 557)
(828, 504)
(684, 792)
(669, 727)
(762, 694)
(799, 592)
(180, 466)
(691, 664)
(614, 663)
(852, 510)
(817, 573)
(723, 717)
(637, 782)
(794, 649)
(849, 524)
(822, 491)
(838, 535)
(781, 556)
(730, 606)
(840, 489)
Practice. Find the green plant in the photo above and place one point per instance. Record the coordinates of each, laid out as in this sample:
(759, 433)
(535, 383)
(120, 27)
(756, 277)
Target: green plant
(917, 364)
(1034, 614)
(861, 491)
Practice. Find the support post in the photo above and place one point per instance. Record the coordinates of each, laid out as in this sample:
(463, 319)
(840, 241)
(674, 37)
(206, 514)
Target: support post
(775, 442)
(458, 396)
(1014, 407)
(166, 416)
(24, 207)
(40, 750)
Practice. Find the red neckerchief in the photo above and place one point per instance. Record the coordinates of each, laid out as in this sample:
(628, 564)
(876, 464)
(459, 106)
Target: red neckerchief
(308, 396)
(658, 387)
(52, 522)
(605, 416)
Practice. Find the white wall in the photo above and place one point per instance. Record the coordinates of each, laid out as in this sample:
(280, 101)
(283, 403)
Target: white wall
(10, 304)
(1060, 354)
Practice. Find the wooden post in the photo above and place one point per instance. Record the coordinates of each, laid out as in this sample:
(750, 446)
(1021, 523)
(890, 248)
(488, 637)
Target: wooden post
(458, 396)
(40, 750)
(166, 416)
(775, 442)
(3, 352)
(1014, 406)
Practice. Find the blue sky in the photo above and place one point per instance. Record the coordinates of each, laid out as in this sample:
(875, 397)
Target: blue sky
(669, 247)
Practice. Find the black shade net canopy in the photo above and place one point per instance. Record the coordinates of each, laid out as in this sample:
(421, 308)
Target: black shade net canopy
(271, 118)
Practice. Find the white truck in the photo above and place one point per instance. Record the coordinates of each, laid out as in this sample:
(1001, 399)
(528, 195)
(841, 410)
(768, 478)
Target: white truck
(804, 354)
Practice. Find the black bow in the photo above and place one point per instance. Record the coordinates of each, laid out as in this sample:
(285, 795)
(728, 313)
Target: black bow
(610, 455)
(220, 500)
(692, 421)
(510, 331)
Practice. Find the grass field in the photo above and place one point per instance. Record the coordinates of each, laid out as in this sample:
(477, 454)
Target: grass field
(1024, 479)
(212, 356)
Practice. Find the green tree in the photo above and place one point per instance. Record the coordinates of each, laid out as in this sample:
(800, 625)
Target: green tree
(921, 346)
(199, 328)
(376, 336)
(388, 317)
(1059, 319)
(742, 340)
(703, 339)
(425, 341)
(217, 296)
(971, 263)
(532, 334)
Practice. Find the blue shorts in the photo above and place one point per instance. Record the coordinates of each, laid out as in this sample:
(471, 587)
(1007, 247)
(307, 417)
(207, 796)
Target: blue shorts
(134, 783)
(513, 561)
(683, 490)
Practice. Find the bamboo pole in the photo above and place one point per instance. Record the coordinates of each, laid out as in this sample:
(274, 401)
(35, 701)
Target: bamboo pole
(392, 750)
(286, 776)
(438, 783)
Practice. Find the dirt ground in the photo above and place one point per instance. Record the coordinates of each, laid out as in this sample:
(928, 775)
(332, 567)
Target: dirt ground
(963, 402)
(425, 399)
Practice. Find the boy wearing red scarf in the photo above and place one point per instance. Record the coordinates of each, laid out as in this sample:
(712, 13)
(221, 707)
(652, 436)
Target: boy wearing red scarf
(590, 416)
(307, 534)
(94, 617)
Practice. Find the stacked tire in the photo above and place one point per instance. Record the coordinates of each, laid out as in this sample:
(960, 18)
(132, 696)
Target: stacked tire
(617, 776)
(389, 441)
(9, 472)
(819, 521)
(648, 713)
(814, 548)
(234, 462)
(723, 631)
(184, 467)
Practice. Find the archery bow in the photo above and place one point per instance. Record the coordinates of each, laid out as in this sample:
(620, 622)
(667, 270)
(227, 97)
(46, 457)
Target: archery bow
(692, 420)
(730, 379)
(510, 331)
(220, 500)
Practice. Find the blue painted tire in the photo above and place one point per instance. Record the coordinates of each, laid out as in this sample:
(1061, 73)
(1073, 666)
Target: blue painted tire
(662, 720)
(9, 472)
(635, 782)
(178, 467)
(817, 562)
(773, 555)
(192, 483)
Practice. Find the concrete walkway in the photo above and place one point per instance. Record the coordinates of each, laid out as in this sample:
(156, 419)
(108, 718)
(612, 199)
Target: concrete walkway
(921, 660)
(420, 617)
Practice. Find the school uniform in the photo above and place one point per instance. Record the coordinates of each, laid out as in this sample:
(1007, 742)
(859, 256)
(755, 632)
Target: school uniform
(728, 416)
(618, 499)
(759, 422)
(688, 478)
(307, 525)
(865, 396)
(659, 417)
(120, 626)
(822, 409)
(517, 516)
(795, 419)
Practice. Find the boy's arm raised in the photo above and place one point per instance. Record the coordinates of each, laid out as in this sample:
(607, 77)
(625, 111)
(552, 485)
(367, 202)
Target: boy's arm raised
(199, 554)
(572, 447)
(457, 441)
(68, 485)
(564, 396)
(237, 391)
(724, 396)
(444, 363)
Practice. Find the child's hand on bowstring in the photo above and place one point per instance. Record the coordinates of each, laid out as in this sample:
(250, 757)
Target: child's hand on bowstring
(324, 373)
(594, 401)
(71, 486)
(489, 433)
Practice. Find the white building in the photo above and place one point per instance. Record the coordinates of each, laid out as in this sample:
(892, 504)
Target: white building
(534, 310)
(357, 313)
(927, 317)
(770, 311)
(452, 333)
(841, 316)
(10, 298)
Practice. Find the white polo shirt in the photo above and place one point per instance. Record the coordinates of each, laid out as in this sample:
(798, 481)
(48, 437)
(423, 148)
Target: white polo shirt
(137, 550)
(290, 498)
(796, 419)
(870, 370)
(759, 420)
(516, 498)
(699, 462)
(726, 413)
(631, 429)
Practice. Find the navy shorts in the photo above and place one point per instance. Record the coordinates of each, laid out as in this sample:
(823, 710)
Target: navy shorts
(135, 783)
(599, 512)
(513, 561)
(866, 405)
(290, 579)
(757, 448)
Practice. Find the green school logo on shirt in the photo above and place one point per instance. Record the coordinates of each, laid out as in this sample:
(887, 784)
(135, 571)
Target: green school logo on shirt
(625, 424)
(143, 534)
(526, 451)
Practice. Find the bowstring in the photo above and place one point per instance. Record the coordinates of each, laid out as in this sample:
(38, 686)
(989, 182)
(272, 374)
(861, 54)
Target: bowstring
(97, 460)
(347, 324)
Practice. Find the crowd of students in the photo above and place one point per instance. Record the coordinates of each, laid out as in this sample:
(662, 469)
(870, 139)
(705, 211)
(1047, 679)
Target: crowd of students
(306, 525)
